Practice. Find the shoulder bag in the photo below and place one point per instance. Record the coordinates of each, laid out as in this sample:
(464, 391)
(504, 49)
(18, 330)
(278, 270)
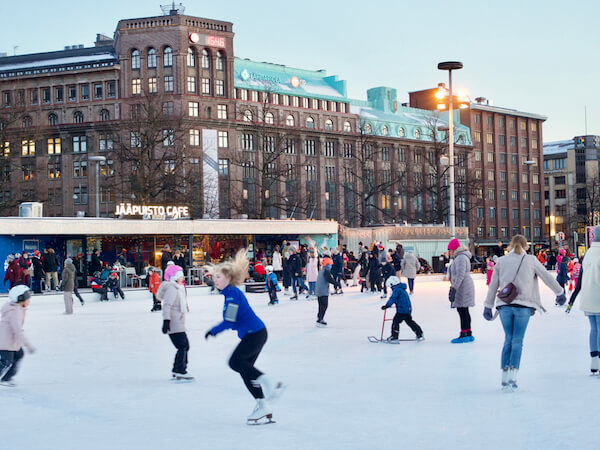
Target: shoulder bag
(509, 292)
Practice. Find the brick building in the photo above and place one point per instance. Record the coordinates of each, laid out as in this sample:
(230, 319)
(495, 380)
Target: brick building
(510, 199)
(278, 141)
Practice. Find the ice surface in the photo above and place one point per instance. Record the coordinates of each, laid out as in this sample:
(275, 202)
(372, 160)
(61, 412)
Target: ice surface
(99, 380)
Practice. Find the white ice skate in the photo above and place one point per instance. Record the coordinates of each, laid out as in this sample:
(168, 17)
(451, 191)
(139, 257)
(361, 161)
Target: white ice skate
(7, 383)
(262, 413)
(505, 374)
(271, 389)
(512, 378)
(595, 366)
(181, 378)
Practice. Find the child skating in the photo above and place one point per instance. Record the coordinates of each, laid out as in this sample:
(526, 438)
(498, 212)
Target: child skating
(153, 285)
(12, 336)
(324, 279)
(401, 299)
(239, 316)
(272, 286)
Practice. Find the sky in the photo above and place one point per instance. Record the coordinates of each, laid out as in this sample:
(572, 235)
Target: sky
(534, 56)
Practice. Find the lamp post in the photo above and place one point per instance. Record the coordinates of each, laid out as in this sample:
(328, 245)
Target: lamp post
(98, 160)
(530, 164)
(450, 66)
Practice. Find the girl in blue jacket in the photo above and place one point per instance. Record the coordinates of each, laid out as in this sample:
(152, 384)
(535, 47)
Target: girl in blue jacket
(401, 299)
(239, 316)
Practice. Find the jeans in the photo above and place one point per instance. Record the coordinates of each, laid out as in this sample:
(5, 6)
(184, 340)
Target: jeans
(300, 282)
(243, 358)
(312, 287)
(411, 284)
(514, 321)
(181, 343)
(9, 363)
(594, 333)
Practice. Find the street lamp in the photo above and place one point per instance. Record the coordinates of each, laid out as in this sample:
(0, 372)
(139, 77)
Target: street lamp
(450, 66)
(530, 164)
(98, 160)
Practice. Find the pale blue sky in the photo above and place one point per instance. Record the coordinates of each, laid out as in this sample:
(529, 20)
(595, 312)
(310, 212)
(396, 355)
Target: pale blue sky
(532, 55)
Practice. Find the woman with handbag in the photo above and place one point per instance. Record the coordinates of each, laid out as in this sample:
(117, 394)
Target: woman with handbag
(516, 275)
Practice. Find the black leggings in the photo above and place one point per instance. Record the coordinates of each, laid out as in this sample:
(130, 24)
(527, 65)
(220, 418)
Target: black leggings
(181, 343)
(323, 303)
(243, 358)
(465, 320)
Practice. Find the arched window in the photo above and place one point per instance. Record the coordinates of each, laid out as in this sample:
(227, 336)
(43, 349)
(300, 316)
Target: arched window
(247, 116)
(168, 57)
(191, 58)
(151, 59)
(384, 130)
(77, 117)
(328, 124)
(401, 132)
(205, 59)
(104, 115)
(269, 120)
(310, 122)
(135, 59)
(26, 123)
(289, 121)
(347, 127)
(220, 61)
(368, 128)
(417, 133)
(461, 138)
(52, 119)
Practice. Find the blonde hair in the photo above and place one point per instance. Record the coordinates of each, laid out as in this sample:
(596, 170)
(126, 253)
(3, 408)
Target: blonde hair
(235, 269)
(518, 244)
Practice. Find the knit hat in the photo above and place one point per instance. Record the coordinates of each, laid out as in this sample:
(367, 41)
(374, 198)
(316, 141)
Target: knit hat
(177, 275)
(453, 244)
(597, 233)
(10, 258)
(171, 270)
(68, 261)
(36, 253)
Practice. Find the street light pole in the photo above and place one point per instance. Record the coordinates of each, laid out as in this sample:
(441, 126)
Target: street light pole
(98, 159)
(450, 66)
(530, 164)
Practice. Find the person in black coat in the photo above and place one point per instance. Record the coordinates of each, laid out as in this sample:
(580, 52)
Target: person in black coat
(396, 262)
(295, 268)
(38, 272)
(179, 260)
(166, 257)
(373, 271)
(50, 265)
(386, 270)
(337, 270)
(95, 264)
(287, 277)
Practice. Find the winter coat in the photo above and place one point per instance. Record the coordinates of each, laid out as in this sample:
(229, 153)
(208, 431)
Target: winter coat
(590, 281)
(460, 279)
(164, 259)
(400, 251)
(272, 282)
(410, 265)
(526, 280)
(396, 261)
(112, 283)
(14, 273)
(96, 264)
(171, 295)
(295, 265)
(68, 278)
(400, 298)
(563, 275)
(324, 279)
(489, 271)
(38, 267)
(180, 261)
(154, 282)
(277, 266)
(287, 280)
(338, 265)
(50, 262)
(312, 270)
(387, 270)
(12, 336)
(25, 263)
(237, 314)
(382, 256)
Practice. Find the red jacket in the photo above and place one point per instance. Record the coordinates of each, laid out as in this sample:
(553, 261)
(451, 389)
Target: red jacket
(14, 273)
(154, 282)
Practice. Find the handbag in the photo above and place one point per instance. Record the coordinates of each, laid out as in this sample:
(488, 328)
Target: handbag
(509, 292)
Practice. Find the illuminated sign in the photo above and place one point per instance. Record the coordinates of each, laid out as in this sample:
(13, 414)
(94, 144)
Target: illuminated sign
(209, 40)
(127, 209)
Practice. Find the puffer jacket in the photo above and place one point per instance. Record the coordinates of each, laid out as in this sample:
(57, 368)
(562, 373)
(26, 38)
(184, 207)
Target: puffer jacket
(68, 278)
(459, 273)
(588, 285)
(12, 336)
(324, 279)
(170, 294)
(526, 280)
(312, 269)
(410, 265)
(400, 298)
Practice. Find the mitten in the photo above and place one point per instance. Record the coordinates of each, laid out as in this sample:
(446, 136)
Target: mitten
(208, 333)
(452, 294)
(561, 299)
(383, 307)
(166, 326)
(487, 314)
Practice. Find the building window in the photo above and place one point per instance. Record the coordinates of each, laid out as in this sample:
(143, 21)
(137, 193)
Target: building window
(60, 94)
(502, 176)
(504, 231)
(309, 147)
(347, 127)
(191, 58)
(503, 194)
(79, 144)
(34, 96)
(26, 122)
(222, 112)
(28, 172)
(269, 119)
(80, 195)
(492, 212)
(477, 156)
(169, 83)
(290, 147)
(479, 229)
(348, 150)
(77, 117)
(384, 130)
(560, 193)
(193, 109)
(219, 88)
(168, 57)
(385, 153)
(328, 124)
(136, 86)
(329, 149)
(247, 142)
(151, 59)
(79, 169)
(53, 170)
(480, 212)
(98, 91)
(523, 142)
(490, 157)
(514, 196)
(224, 167)
(525, 195)
(206, 86)
(269, 144)
(489, 120)
(135, 59)
(222, 139)
(168, 138)
(205, 59)
(45, 95)
(533, 126)
(289, 121)
(560, 163)
(152, 85)
(491, 194)
(559, 180)
(502, 158)
(417, 133)
(515, 214)
(220, 61)
(105, 144)
(534, 143)
(504, 213)
(191, 84)
(104, 115)
(513, 141)
(489, 138)
(524, 178)
(477, 136)
(167, 108)
(492, 231)
(28, 147)
(195, 137)
(310, 122)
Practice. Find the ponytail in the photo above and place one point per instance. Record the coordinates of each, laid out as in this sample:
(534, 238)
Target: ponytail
(518, 244)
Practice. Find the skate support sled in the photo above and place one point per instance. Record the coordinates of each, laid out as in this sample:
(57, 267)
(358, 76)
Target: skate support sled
(381, 340)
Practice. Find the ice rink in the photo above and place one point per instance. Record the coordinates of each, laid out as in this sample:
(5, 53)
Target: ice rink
(100, 380)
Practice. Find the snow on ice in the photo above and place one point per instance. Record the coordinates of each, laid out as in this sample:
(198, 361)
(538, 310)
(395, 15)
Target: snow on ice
(100, 380)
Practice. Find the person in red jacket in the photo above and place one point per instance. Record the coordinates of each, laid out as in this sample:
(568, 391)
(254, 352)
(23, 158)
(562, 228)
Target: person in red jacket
(153, 284)
(14, 272)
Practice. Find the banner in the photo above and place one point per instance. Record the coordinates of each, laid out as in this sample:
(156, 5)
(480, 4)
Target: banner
(210, 174)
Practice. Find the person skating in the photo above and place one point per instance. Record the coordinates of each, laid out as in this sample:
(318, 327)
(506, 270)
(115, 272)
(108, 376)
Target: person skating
(295, 268)
(172, 295)
(286, 275)
(312, 270)
(587, 289)
(523, 271)
(462, 289)
(153, 285)
(337, 270)
(68, 284)
(386, 270)
(272, 285)
(401, 299)
(410, 267)
(324, 279)
(12, 336)
(239, 316)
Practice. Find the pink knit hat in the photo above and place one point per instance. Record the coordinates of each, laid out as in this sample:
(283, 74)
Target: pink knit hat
(453, 244)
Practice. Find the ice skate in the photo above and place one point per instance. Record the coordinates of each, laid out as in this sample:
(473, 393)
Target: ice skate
(505, 383)
(420, 338)
(294, 297)
(392, 338)
(321, 323)
(595, 366)
(7, 383)
(271, 390)
(181, 377)
(262, 413)
(383, 296)
(512, 378)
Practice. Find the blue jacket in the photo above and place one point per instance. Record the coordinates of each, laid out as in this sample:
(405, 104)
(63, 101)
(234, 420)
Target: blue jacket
(563, 273)
(237, 314)
(338, 264)
(272, 282)
(400, 298)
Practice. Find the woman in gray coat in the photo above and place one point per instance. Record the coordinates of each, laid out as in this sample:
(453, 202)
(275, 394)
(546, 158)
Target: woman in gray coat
(462, 289)
(410, 267)
(68, 284)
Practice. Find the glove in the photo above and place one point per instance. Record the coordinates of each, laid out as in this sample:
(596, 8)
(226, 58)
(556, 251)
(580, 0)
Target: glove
(487, 314)
(31, 349)
(452, 294)
(207, 334)
(568, 310)
(383, 307)
(561, 299)
(166, 326)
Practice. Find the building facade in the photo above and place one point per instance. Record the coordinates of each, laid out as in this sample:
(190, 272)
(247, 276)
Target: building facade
(507, 155)
(178, 118)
